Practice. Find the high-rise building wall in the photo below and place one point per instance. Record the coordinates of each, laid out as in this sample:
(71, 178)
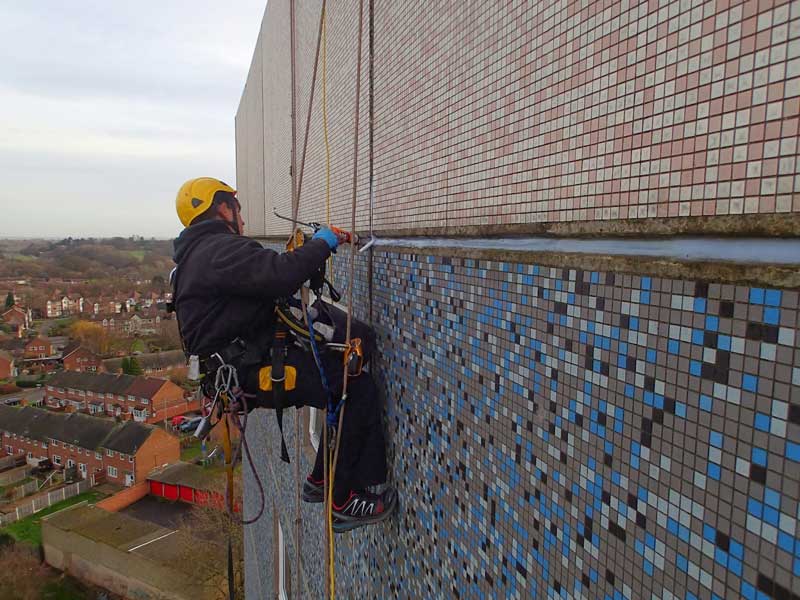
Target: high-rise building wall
(608, 411)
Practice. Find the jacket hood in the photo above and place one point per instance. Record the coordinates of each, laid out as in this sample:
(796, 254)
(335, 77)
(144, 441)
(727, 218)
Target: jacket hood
(192, 234)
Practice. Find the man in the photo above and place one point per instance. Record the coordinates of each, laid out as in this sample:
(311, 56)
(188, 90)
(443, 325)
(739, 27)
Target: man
(226, 287)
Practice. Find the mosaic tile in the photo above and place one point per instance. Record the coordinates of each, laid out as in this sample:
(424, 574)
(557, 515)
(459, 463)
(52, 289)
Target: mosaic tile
(547, 443)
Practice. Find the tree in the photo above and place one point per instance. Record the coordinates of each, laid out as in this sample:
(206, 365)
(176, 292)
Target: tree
(23, 576)
(10, 300)
(131, 366)
(91, 335)
(213, 525)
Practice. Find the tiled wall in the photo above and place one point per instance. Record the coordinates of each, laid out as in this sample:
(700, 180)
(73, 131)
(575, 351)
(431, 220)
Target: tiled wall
(553, 432)
(568, 433)
(492, 113)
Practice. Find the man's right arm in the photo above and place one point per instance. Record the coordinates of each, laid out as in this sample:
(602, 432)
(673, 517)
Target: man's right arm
(241, 266)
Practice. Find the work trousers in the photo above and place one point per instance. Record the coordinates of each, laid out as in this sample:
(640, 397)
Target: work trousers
(362, 447)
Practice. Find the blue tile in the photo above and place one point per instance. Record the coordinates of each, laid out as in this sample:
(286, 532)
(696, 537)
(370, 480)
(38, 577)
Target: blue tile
(772, 297)
(761, 422)
(759, 456)
(755, 508)
(772, 498)
(716, 439)
(749, 382)
(756, 296)
(772, 316)
(700, 305)
(793, 451)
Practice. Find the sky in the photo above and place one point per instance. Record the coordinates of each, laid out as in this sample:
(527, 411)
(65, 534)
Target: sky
(106, 108)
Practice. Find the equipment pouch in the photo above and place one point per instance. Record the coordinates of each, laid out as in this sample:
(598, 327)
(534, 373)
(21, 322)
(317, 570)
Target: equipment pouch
(265, 378)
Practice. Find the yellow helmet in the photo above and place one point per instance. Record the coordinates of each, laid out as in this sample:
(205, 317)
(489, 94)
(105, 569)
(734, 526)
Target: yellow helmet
(196, 196)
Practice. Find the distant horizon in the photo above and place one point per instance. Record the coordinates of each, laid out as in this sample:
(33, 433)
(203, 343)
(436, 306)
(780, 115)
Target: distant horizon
(121, 105)
(34, 238)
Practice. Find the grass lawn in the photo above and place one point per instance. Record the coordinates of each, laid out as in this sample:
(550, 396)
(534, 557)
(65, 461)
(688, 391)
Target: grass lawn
(138, 346)
(29, 529)
(193, 451)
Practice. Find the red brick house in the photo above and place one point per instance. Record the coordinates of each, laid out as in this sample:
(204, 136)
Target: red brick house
(78, 358)
(17, 317)
(38, 348)
(123, 452)
(154, 363)
(7, 368)
(143, 399)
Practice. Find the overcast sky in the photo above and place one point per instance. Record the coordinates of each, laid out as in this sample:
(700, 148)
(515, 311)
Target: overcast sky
(107, 107)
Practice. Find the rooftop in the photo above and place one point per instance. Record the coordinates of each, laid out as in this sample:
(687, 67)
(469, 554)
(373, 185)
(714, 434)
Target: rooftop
(108, 383)
(77, 429)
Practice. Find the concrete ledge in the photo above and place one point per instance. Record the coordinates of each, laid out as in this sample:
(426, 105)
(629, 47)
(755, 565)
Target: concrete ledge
(740, 274)
(774, 225)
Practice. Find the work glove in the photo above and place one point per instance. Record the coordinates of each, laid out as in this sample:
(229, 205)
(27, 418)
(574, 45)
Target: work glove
(324, 233)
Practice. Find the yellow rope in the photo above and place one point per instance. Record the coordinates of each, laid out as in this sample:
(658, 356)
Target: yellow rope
(335, 453)
(325, 130)
(328, 481)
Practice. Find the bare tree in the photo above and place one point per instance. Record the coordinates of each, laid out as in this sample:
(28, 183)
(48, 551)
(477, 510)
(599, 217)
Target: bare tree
(22, 576)
(212, 524)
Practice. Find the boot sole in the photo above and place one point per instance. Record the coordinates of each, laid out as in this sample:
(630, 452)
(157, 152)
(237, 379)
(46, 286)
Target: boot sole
(342, 525)
(313, 497)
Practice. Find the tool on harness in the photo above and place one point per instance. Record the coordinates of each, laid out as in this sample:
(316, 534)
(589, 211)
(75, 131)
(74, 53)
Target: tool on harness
(346, 237)
(317, 281)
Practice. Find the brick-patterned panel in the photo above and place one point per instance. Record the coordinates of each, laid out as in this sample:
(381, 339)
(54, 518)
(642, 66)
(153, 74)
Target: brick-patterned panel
(492, 114)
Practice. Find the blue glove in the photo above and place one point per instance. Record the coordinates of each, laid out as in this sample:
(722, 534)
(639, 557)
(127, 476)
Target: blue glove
(330, 238)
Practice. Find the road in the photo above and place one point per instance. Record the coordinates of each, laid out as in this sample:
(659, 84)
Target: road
(32, 395)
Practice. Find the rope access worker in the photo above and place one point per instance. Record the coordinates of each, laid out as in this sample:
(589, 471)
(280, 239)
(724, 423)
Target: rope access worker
(226, 287)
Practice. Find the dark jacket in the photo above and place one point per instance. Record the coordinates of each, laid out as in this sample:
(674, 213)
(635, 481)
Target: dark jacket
(226, 284)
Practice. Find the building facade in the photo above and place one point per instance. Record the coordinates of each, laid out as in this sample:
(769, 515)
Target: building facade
(585, 291)
(39, 348)
(97, 448)
(7, 367)
(81, 359)
(154, 364)
(143, 399)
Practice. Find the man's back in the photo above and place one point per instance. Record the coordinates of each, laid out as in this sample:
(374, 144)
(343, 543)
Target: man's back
(226, 284)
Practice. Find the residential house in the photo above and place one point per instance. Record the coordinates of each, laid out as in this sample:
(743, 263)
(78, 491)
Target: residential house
(141, 324)
(39, 348)
(52, 309)
(123, 452)
(7, 368)
(154, 364)
(110, 323)
(72, 305)
(18, 318)
(77, 358)
(144, 399)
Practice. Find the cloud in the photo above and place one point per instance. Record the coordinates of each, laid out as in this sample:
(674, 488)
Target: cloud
(109, 107)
